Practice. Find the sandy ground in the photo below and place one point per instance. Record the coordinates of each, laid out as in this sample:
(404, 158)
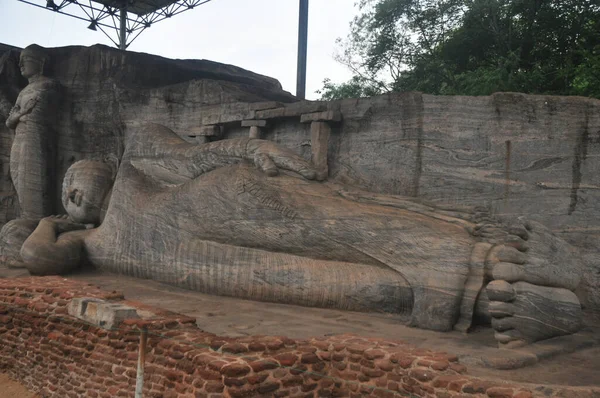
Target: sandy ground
(234, 317)
(12, 389)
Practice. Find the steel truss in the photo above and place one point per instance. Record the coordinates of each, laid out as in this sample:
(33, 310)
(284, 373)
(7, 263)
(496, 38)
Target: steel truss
(126, 25)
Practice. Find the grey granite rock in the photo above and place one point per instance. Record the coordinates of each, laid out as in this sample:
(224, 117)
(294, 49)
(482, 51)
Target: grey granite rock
(415, 182)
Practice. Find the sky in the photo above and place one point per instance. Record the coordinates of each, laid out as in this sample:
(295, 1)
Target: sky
(259, 35)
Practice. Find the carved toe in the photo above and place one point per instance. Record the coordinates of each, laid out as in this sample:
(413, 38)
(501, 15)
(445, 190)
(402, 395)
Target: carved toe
(509, 272)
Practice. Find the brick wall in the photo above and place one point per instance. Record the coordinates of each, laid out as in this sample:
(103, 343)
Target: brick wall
(60, 356)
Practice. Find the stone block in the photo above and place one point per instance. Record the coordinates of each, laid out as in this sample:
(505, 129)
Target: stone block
(254, 123)
(259, 106)
(271, 113)
(102, 313)
(327, 116)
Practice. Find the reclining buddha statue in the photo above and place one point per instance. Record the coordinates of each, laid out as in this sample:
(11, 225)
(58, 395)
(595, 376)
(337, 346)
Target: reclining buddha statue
(247, 218)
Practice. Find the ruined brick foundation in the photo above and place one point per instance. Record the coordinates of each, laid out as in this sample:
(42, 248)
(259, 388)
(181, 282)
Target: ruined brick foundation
(58, 355)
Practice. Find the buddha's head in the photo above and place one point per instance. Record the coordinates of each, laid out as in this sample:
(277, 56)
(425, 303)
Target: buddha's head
(32, 61)
(86, 191)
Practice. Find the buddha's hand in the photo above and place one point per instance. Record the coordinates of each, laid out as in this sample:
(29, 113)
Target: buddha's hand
(63, 224)
(270, 157)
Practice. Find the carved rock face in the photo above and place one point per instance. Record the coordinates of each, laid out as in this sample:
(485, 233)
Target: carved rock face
(398, 144)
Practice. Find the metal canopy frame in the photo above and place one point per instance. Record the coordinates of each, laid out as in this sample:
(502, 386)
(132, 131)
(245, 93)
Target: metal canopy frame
(131, 17)
(125, 19)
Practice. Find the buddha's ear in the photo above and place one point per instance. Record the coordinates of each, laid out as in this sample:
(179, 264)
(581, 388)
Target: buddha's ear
(113, 161)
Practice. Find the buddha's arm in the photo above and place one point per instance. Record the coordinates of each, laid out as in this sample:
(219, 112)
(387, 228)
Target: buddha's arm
(45, 254)
(161, 145)
(18, 111)
(13, 117)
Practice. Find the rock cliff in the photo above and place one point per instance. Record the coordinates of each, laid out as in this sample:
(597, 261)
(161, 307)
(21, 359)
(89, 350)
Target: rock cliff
(518, 155)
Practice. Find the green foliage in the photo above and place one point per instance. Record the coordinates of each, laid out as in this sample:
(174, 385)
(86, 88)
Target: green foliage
(356, 87)
(473, 47)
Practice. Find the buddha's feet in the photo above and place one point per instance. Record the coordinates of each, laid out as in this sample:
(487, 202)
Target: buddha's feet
(524, 313)
(531, 296)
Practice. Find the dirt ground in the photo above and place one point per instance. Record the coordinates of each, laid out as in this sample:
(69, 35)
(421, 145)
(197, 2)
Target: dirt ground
(13, 389)
(234, 317)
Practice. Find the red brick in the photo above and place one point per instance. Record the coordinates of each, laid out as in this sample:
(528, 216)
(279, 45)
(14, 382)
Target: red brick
(214, 386)
(235, 370)
(287, 359)
(374, 354)
(255, 346)
(441, 366)
(422, 374)
(217, 365)
(234, 382)
(268, 387)
(499, 392)
(275, 345)
(264, 364)
(310, 358)
(257, 379)
(384, 364)
(357, 348)
(477, 386)
(458, 368)
(208, 374)
(372, 372)
(338, 357)
(443, 380)
(235, 348)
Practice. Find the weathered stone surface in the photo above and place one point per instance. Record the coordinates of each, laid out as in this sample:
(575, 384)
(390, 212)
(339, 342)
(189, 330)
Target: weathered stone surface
(319, 139)
(327, 116)
(212, 130)
(255, 132)
(290, 239)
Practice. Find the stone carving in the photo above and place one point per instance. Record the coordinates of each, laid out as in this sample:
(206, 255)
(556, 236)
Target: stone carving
(201, 217)
(32, 155)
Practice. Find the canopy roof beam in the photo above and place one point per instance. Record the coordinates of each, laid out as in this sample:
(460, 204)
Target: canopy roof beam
(121, 21)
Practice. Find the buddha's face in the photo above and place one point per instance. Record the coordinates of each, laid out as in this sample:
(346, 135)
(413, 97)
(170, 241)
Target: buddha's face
(84, 194)
(30, 66)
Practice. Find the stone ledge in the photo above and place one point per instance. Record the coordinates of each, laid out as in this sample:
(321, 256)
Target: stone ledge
(327, 116)
(254, 123)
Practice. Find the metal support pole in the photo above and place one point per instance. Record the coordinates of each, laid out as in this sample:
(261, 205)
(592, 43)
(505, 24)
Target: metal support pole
(123, 29)
(302, 49)
(139, 380)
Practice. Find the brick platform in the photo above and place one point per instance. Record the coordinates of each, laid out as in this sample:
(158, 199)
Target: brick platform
(61, 356)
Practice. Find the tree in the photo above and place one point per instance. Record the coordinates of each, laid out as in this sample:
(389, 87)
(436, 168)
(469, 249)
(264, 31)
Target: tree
(474, 47)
